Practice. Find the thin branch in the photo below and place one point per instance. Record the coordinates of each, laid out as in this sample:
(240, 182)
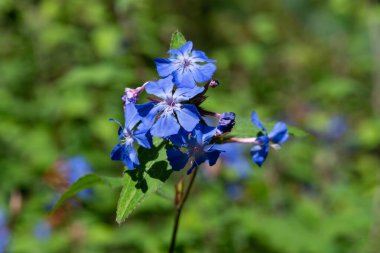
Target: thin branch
(179, 208)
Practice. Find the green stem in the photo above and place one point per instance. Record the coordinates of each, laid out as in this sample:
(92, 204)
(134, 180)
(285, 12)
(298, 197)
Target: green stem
(178, 210)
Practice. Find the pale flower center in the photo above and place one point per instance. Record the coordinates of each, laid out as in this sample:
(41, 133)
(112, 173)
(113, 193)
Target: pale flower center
(128, 139)
(169, 105)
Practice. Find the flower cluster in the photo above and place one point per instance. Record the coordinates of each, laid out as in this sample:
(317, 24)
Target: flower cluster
(174, 113)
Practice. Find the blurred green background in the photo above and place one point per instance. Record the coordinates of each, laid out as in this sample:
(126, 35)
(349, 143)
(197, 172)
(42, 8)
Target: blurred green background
(313, 64)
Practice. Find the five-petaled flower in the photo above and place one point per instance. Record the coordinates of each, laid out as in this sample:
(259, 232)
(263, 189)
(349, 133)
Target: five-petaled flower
(198, 149)
(187, 66)
(171, 111)
(133, 131)
(275, 138)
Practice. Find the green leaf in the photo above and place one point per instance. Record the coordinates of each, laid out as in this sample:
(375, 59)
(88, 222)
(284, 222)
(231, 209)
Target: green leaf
(140, 183)
(177, 40)
(245, 128)
(85, 182)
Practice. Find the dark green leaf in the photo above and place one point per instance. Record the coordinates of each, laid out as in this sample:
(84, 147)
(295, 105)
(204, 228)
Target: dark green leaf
(177, 40)
(141, 182)
(85, 182)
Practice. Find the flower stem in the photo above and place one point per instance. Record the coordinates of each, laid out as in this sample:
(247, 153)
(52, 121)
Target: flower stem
(242, 140)
(178, 210)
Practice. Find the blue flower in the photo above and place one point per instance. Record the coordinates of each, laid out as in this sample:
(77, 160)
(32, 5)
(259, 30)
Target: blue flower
(78, 167)
(171, 111)
(198, 150)
(74, 168)
(4, 232)
(42, 230)
(132, 131)
(234, 191)
(186, 66)
(234, 158)
(275, 138)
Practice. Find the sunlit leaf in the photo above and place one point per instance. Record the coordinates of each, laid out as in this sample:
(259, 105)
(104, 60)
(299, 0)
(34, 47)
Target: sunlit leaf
(177, 40)
(140, 183)
(85, 182)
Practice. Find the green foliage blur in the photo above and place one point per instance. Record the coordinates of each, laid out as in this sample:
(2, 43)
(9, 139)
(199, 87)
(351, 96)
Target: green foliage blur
(313, 64)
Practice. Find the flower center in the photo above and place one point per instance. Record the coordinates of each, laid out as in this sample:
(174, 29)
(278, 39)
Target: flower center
(128, 139)
(186, 63)
(195, 149)
(169, 105)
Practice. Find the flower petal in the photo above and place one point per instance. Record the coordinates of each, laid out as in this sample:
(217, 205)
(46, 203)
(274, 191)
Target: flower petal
(165, 126)
(116, 152)
(256, 121)
(204, 133)
(212, 156)
(186, 48)
(200, 56)
(165, 67)
(143, 137)
(173, 52)
(180, 139)
(176, 158)
(162, 88)
(259, 153)
(144, 109)
(130, 151)
(188, 117)
(202, 73)
(184, 94)
(183, 79)
(131, 116)
(120, 153)
(279, 133)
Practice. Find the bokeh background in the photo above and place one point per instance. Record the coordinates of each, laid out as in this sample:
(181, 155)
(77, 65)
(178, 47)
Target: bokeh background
(313, 64)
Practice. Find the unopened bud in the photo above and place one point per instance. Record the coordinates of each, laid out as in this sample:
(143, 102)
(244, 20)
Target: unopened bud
(226, 122)
(179, 191)
(132, 95)
(213, 83)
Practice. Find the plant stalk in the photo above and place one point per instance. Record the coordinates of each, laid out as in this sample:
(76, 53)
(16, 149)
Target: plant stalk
(178, 210)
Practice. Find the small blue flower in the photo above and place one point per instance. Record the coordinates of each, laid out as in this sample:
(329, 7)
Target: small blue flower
(171, 111)
(198, 150)
(78, 167)
(337, 127)
(74, 168)
(275, 138)
(234, 158)
(234, 191)
(186, 66)
(4, 232)
(132, 131)
(226, 122)
(42, 230)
